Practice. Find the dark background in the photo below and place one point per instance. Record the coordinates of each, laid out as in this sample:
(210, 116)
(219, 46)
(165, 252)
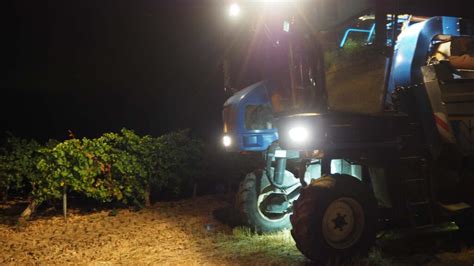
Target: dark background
(93, 66)
(97, 66)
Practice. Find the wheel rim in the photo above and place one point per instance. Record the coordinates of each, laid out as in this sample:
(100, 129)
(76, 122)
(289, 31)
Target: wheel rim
(271, 217)
(343, 223)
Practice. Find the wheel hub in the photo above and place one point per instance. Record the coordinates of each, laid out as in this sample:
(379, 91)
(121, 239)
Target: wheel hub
(275, 203)
(340, 222)
(272, 205)
(343, 223)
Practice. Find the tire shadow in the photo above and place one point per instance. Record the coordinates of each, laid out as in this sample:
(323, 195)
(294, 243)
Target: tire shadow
(227, 215)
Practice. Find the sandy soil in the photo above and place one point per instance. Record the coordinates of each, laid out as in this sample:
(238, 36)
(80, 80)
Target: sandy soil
(186, 232)
(169, 232)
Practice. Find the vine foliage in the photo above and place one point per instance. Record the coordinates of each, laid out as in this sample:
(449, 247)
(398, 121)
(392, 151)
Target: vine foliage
(121, 167)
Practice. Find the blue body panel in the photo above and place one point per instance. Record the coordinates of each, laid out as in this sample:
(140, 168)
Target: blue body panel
(248, 139)
(411, 52)
(412, 47)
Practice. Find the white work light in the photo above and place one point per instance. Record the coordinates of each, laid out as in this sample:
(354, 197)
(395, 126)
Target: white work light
(227, 141)
(234, 10)
(299, 134)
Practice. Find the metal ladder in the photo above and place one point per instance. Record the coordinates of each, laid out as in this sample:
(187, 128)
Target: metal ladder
(418, 197)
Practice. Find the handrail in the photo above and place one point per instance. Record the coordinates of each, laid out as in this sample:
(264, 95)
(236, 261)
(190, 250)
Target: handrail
(390, 26)
(370, 31)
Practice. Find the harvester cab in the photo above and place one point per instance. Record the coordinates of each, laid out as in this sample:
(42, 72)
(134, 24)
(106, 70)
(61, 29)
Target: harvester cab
(291, 81)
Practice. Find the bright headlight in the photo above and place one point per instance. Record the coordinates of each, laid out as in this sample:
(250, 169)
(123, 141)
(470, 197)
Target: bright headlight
(299, 134)
(234, 10)
(227, 141)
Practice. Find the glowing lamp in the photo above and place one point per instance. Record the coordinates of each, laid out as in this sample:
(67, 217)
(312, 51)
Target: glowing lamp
(299, 134)
(227, 141)
(234, 10)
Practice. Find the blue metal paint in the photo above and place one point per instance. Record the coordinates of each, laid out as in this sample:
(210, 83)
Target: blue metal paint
(248, 139)
(413, 44)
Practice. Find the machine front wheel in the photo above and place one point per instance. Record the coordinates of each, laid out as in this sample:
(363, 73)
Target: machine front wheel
(334, 219)
(251, 200)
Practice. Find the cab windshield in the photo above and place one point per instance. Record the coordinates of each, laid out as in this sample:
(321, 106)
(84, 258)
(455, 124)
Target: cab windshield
(282, 53)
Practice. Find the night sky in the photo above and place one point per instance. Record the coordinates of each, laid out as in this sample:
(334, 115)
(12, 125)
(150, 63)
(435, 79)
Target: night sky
(97, 66)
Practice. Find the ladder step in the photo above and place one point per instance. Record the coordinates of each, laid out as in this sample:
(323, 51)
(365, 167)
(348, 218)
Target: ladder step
(414, 180)
(428, 225)
(419, 203)
(455, 207)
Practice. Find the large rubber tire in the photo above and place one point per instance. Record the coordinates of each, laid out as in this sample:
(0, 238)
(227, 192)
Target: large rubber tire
(315, 231)
(247, 205)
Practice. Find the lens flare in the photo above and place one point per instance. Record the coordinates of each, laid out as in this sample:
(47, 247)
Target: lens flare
(298, 134)
(234, 10)
(227, 141)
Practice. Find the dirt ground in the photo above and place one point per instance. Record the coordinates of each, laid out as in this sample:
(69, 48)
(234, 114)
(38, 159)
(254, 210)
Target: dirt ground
(187, 232)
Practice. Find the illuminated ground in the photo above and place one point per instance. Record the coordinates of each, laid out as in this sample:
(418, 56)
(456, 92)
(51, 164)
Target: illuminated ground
(186, 232)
